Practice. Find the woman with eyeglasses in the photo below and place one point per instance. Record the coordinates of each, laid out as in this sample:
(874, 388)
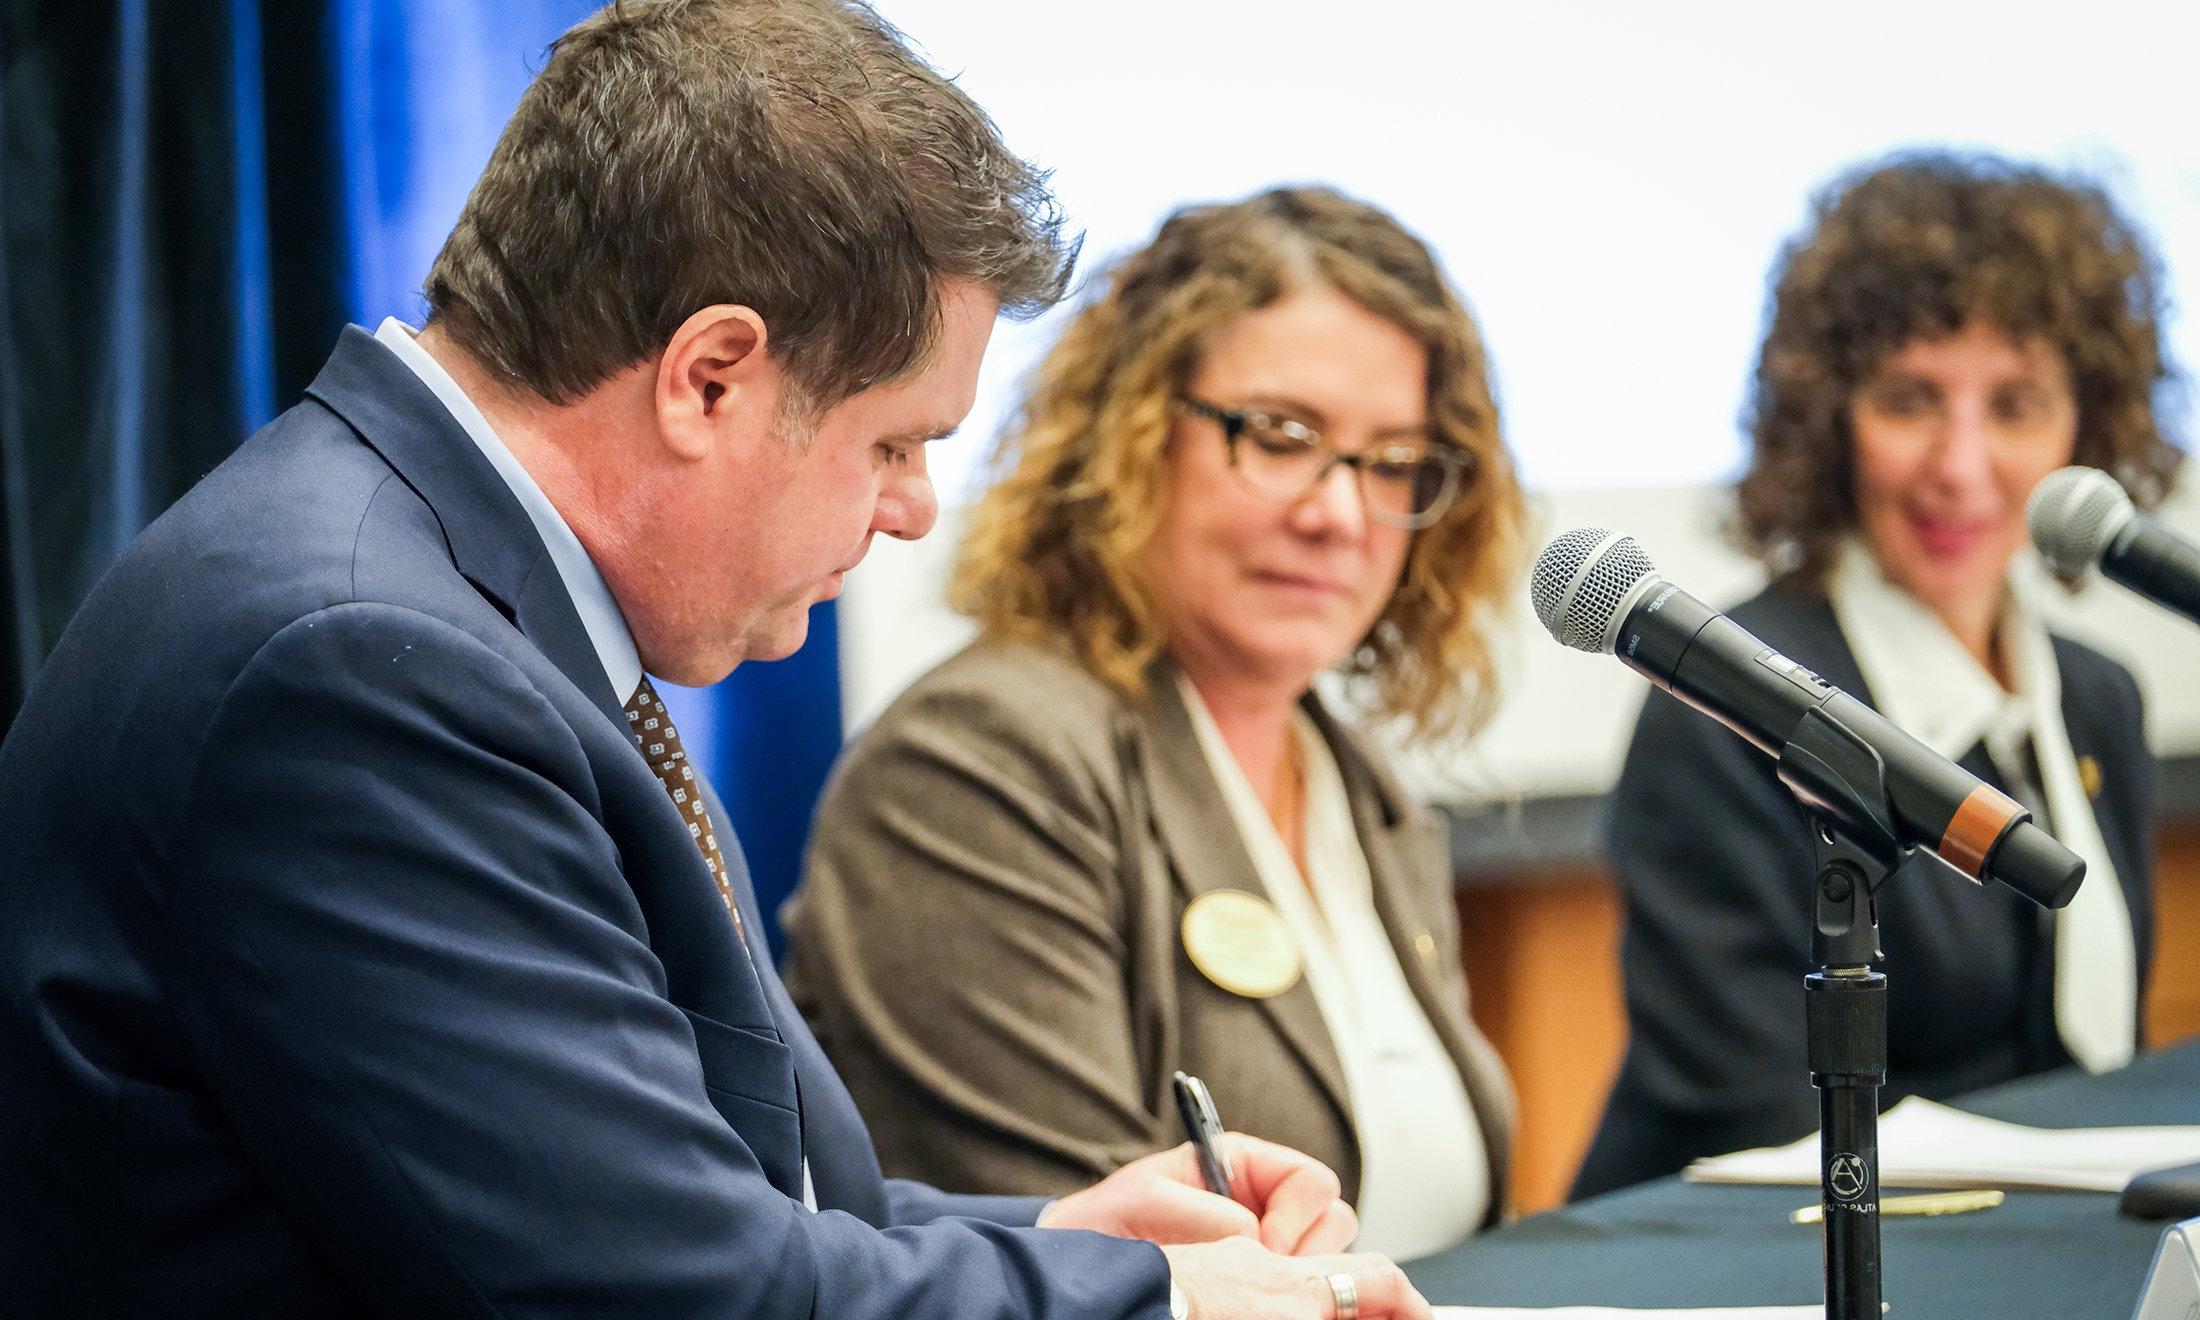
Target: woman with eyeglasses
(1121, 834)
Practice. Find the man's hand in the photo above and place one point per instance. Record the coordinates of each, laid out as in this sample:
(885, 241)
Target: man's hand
(1289, 1201)
(1237, 1280)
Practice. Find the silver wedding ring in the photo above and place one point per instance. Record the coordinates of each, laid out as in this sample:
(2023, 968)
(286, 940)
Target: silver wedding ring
(1347, 1294)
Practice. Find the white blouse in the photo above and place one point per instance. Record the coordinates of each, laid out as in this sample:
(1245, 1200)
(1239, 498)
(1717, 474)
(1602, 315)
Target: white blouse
(1424, 1169)
(1926, 681)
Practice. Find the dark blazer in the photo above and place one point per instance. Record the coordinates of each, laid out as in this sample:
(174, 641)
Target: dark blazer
(1715, 870)
(355, 963)
(987, 942)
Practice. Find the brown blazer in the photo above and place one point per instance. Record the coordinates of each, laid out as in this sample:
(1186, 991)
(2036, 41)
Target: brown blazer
(986, 939)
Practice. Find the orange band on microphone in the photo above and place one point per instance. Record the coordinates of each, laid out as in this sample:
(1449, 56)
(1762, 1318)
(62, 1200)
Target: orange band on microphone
(1975, 826)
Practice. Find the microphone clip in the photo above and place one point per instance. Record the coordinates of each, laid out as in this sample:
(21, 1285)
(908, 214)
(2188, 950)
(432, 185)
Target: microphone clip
(1841, 781)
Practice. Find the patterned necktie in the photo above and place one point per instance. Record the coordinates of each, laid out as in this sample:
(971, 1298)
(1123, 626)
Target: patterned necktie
(651, 726)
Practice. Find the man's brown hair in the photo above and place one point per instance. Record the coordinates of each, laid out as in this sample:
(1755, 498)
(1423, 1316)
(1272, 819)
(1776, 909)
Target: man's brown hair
(791, 156)
(1913, 248)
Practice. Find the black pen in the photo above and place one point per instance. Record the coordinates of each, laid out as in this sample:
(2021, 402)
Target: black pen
(1196, 1106)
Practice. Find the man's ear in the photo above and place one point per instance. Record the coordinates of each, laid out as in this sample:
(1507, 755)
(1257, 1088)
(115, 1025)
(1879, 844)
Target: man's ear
(714, 372)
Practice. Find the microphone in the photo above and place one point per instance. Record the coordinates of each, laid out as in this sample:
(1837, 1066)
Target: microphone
(2080, 518)
(1596, 590)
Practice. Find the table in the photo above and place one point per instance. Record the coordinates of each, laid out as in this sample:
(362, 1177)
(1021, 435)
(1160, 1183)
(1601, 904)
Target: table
(2059, 1255)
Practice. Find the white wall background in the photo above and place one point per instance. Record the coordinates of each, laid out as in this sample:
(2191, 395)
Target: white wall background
(1567, 714)
(1608, 182)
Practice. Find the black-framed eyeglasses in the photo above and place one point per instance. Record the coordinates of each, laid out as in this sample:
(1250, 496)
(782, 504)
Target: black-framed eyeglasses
(1404, 483)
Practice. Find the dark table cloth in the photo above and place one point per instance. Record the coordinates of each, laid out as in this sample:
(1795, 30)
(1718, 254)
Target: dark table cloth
(2065, 1255)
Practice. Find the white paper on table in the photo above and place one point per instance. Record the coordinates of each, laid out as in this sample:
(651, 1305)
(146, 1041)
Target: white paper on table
(1600, 1312)
(1923, 1144)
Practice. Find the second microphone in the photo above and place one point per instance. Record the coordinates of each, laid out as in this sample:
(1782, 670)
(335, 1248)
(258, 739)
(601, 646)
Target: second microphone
(1596, 590)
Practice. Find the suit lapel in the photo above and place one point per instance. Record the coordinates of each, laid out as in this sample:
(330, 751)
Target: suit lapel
(843, 1163)
(2093, 732)
(1207, 855)
(545, 613)
(1390, 837)
(491, 539)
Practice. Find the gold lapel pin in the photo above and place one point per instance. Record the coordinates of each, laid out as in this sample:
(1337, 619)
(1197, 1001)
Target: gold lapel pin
(2089, 776)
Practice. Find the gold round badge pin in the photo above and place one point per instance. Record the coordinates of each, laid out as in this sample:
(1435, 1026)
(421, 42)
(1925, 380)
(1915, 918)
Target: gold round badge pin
(1241, 943)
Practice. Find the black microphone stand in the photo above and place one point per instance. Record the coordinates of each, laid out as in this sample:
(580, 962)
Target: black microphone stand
(1845, 1008)
(1842, 783)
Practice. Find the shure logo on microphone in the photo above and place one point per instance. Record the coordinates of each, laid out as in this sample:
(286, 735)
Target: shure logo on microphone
(1656, 603)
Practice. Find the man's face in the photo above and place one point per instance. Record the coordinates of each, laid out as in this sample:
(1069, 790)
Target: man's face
(772, 523)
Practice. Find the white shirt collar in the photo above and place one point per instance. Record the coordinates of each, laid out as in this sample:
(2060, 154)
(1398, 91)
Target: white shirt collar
(1929, 683)
(591, 595)
(1923, 679)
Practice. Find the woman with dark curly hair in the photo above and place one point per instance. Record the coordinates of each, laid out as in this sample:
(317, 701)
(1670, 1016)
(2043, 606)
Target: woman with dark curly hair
(1120, 835)
(1951, 329)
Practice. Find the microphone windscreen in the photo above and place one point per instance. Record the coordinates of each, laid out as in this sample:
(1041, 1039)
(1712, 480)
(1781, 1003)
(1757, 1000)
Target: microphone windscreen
(1581, 579)
(2073, 514)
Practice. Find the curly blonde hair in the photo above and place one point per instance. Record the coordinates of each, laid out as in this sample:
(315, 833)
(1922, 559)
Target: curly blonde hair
(1913, 247)
(1057, 548)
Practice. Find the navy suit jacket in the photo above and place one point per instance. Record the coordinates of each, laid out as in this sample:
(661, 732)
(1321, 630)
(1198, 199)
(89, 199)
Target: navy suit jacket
(355, 963)
(1714, 865)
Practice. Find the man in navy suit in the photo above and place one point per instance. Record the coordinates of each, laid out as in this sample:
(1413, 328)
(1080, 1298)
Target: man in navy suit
(367, 945)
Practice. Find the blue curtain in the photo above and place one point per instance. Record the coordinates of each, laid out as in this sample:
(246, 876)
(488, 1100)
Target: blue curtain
(154, 307)
(198, 194)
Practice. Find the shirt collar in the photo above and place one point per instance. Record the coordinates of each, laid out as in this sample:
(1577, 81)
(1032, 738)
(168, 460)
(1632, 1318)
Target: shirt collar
(592, 598)
(1926, 681)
